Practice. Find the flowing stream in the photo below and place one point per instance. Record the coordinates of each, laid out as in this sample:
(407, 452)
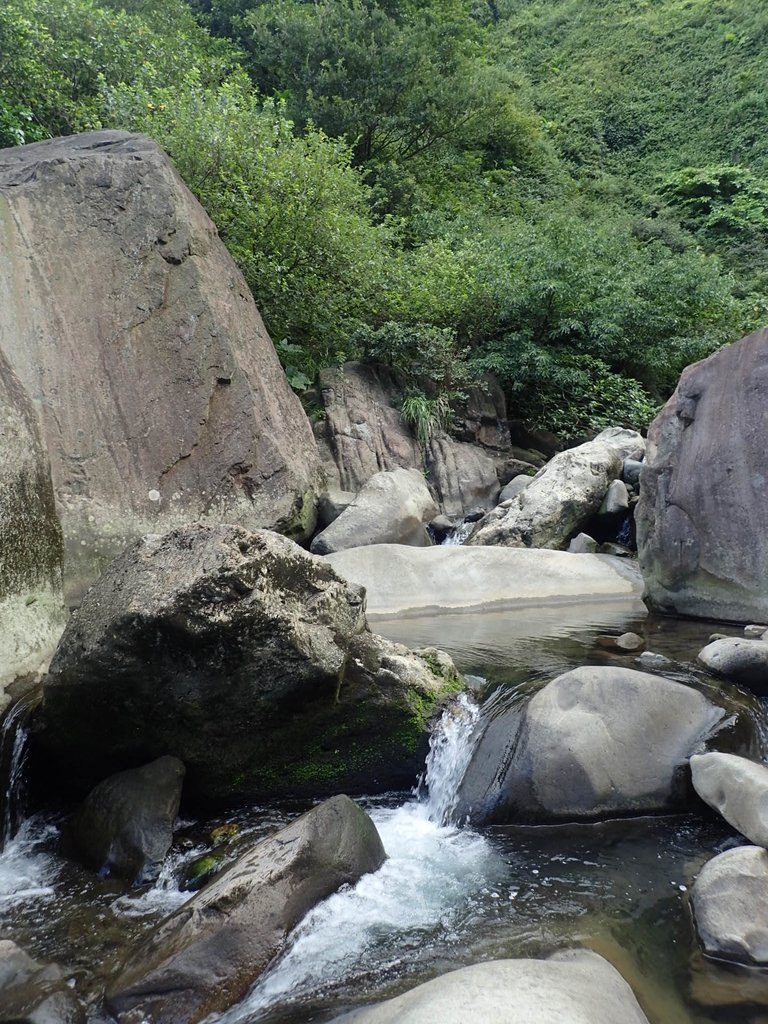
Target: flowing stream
(446, 895)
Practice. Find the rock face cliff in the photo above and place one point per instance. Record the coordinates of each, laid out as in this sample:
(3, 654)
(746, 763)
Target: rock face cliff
(702, 521)
(159, 395)
(31, 608)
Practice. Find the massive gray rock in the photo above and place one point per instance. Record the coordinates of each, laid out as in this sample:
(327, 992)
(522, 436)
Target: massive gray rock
(125, 825)
(34, 993)
(702, 521)
(573, 987)
(736, 788)
(31, 600)
(730, 905)
(562, 497)
(741, 660)
(363, 434)
(401, 580)
(392, 508)
(244, 656)
(115, 288)
(204, 957)
(596, 742)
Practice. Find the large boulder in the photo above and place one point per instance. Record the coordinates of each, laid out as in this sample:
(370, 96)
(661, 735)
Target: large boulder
(463, 475)
(114, 284)
(401, 580)
(730, 905)
(125, 825)
(736, 788)
(34, 993)
(703, 514)
(392, 508)
(244, 656)
(31, 601)
(739, 659)
(562, 497)
(596, 742)
(573, 987)
(205, 956)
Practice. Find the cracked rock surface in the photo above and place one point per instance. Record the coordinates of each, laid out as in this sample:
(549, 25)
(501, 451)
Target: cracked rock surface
(159, 393)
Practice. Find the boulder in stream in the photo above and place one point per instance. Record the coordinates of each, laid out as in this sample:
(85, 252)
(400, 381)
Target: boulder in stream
(573, 987)
(34, 993)
(562, 497)
(596, 742)
(741, 660)
(730, 905)
(702, 521)
(736, 788)
(247, 658)
(125, 825)
(392, 508)
(204, 957)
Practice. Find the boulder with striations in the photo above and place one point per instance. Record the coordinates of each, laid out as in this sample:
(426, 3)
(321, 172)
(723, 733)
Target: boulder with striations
(115, 285)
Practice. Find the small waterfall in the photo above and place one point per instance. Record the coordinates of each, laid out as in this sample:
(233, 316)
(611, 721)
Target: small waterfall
(13, 757)
(450, 750)
(459, 535)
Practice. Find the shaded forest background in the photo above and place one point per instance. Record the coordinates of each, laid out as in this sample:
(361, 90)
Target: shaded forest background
(570, 194)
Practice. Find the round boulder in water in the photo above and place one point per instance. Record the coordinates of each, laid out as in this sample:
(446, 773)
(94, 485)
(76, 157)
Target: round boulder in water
(730, 904)
(742, 660)
(597, 742)
(574, 987)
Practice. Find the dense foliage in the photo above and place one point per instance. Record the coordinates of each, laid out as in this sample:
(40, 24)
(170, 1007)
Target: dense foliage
(570, 195)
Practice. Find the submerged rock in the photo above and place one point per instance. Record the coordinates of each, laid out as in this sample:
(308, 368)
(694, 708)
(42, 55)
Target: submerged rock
(34, 993)
(125, 826)
(238, 653)
(703, 514)
(188, 413)
(736, 788)
(392, 508)
(596, 742)
(204, 958)
(741, 660)
(574, 987)
(562, 497)
(730, 904)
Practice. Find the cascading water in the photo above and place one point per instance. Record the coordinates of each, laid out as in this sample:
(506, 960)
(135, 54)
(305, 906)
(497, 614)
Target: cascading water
(13, 757)
(418, 903)
(459, 535)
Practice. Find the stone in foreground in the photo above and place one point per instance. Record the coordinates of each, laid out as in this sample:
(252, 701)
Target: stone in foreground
(34, 993)
(702, 521)
(596, 742)
(574, 987)
(736, 788)
(730, 904)
(204, 958)
(125, 826)
(742, 661)
(159, 394)
(245, 657)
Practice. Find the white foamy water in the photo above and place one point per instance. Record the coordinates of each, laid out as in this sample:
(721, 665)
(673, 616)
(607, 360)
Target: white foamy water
(421, 899)
(164, 895)
(26, 871)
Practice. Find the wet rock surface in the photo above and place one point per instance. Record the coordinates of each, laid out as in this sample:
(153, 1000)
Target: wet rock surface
(34, 993)
(235, 652)
(743, 661)
(595, 742)
(125, 826)
(575, 987)
(203, 958)
(736, 788)
(730, 903)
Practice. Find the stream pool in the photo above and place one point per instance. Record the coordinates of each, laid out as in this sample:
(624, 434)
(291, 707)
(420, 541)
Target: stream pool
(446, 896)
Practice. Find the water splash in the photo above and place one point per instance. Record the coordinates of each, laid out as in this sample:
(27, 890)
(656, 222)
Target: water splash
(13, 758)
(450, 751)
(459, 535)
(27, 872)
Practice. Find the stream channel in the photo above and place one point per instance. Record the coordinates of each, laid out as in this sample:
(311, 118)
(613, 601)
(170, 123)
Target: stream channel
(447, 896)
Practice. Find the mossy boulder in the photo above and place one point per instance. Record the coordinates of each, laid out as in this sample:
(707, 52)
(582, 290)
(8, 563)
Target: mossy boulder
(247, 658)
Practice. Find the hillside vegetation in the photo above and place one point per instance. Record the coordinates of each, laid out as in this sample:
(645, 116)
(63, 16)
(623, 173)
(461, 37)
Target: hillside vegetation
(571, 195)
